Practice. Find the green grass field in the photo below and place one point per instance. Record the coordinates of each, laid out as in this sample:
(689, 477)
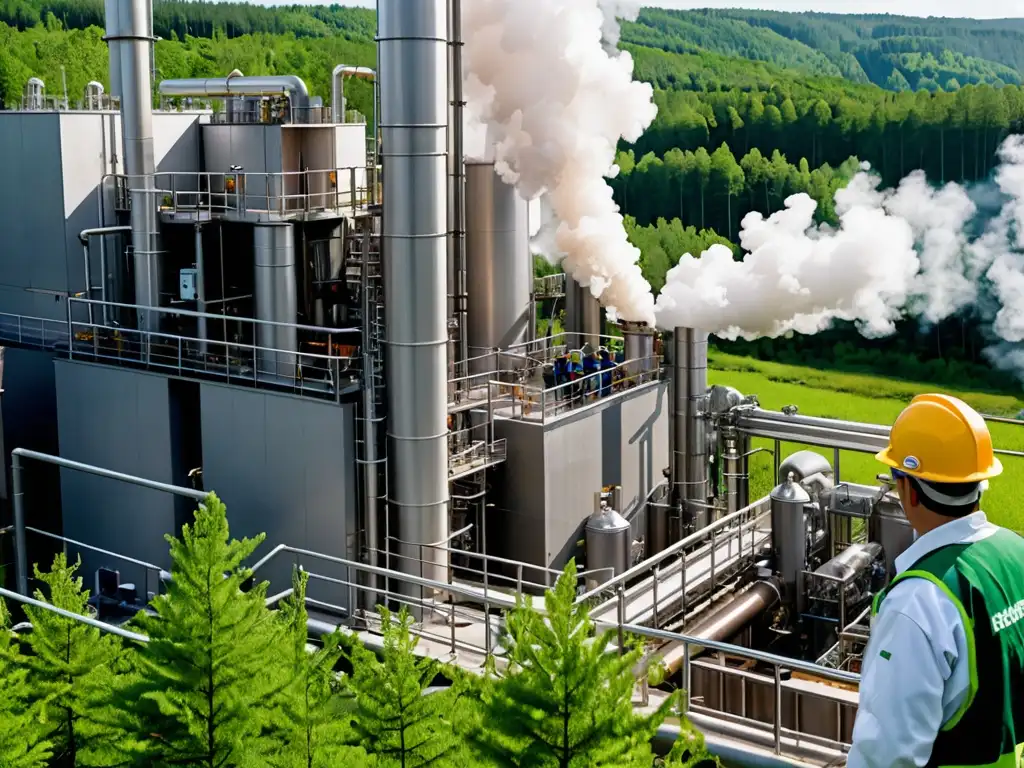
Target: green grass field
(870, 399)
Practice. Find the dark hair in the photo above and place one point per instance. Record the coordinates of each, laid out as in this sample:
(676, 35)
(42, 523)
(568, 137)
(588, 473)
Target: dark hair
(947, 489)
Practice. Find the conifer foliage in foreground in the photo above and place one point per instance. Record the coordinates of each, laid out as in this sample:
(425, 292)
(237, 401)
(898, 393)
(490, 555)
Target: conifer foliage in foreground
(566, 698)
(202, 690)
(226, 682)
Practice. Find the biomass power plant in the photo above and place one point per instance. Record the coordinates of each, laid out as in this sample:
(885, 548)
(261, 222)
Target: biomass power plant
(330, 319)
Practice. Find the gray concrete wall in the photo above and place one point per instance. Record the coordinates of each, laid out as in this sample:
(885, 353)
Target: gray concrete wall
(284, 466)
(118, 419)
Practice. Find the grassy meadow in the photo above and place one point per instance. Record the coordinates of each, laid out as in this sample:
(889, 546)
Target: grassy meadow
(874, 399)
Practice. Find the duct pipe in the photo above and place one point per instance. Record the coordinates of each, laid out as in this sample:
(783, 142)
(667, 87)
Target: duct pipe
(688, 451)
(724, 623)
(338, 89)
(255, 85)
(458, 180)
(129, 34)
(498, 270)
(413, 49)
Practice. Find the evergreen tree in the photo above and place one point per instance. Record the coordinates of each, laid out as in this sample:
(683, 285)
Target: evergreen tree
(208, 675)
(393, 721)
(566, 699)
(22, 742)
(70, 668)
(310, 720)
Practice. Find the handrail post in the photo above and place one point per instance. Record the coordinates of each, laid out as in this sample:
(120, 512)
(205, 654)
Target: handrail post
(684, 699)
(622, 617)
(451, 607)
(778, 710)
(654, 593)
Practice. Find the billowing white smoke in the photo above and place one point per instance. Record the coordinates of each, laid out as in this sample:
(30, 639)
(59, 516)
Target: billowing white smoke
(896, 251)
(555, 103)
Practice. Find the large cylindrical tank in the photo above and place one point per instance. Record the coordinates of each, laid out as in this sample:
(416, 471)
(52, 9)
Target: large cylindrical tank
(276, 299)
(609, 542)
(889, 527)
(789, 534)
(498, 264)
(725, 621)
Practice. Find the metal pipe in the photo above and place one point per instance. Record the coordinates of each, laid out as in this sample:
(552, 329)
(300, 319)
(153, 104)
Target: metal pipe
(83, 237)
(688, 452)
(854, 436)
(19, 502)
(130, 34)
(255, 85)
(725, 622)
(412, 44)
(338, 88)
(459, 193)
(201, 288)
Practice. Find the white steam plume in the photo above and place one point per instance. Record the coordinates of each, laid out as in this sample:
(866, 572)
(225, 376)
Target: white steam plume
(555, 103)
(896, 251)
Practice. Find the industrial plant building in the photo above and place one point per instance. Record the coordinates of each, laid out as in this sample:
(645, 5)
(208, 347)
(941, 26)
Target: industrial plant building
(329, 320)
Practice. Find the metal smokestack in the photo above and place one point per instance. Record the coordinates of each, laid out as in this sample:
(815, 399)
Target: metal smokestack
(413, 51)
(688, 433)
(130, 36)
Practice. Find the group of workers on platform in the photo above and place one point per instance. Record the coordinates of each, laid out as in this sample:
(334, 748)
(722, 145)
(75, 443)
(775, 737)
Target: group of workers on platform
(577, 366)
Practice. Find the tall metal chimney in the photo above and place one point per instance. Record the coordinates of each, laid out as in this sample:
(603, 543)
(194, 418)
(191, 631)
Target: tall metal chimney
(413, 51)
(130, 35)
(688, 434)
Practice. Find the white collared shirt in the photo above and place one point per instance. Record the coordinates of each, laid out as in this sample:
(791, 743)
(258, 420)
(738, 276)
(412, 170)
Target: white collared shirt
(907, 695)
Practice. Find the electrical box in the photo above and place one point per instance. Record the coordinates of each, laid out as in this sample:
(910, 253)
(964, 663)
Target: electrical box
(189, 279)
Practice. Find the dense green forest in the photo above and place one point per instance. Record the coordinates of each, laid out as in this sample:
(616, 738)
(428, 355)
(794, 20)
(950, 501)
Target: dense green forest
(212, 676)
(753, 107)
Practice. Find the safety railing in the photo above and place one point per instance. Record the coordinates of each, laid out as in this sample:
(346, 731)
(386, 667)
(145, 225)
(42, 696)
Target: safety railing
(284, 194)
(662, 586)
(473, 449)
(36, 332)
(519, 401)
(241, 360)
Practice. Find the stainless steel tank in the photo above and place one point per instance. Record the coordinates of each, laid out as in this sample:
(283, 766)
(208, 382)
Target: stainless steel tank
(499, 266)
(609, 542)
(890, 528)
(688, 460)
(276, 299)
(789, 534)
(582, 316)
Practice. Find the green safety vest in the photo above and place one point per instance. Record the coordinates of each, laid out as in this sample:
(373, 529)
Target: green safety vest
(985, 581)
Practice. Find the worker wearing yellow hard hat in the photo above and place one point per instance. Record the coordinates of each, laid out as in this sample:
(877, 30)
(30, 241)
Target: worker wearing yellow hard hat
(942, 683)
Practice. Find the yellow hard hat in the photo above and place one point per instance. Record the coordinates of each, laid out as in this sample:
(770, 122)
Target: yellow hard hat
(941, 439)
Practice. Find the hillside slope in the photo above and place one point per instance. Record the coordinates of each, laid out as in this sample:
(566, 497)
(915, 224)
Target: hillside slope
(895, 52)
